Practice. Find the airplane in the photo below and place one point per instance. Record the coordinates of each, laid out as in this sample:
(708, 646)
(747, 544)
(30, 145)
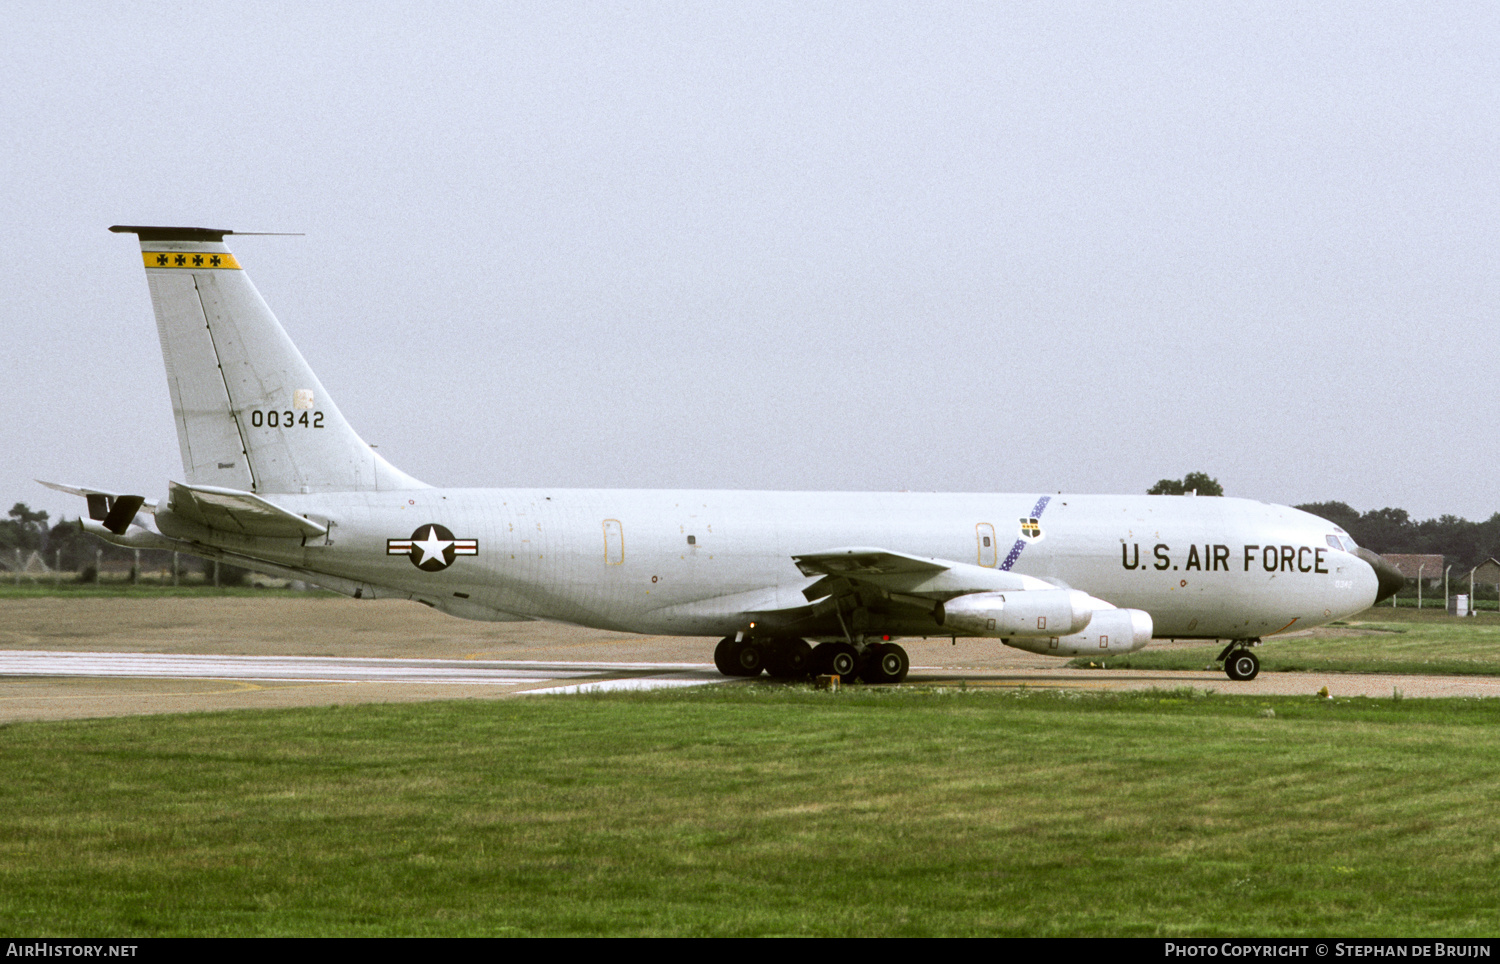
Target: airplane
(795, 583)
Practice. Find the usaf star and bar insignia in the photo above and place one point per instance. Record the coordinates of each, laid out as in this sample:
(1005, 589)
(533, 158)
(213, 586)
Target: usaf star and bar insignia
(432, 547)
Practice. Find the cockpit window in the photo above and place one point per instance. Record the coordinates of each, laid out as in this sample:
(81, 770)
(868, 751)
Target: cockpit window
(1341, 542)
(1333, 542)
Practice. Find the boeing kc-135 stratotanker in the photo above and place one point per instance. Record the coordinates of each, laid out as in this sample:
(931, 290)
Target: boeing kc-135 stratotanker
(275, 479)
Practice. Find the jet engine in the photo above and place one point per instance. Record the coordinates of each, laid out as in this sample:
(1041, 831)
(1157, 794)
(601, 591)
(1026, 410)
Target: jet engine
(1109, 633)
(1030, 612)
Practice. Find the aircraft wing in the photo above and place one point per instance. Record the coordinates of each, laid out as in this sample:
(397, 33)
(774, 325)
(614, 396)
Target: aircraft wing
(899, 572)
(231, 510)
(837, 581)
(961, 598)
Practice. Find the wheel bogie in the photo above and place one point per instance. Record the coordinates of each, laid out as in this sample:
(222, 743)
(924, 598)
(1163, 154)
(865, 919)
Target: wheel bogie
(791, 658)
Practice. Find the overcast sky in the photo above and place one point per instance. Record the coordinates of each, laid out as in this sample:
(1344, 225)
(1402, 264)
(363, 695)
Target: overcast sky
(988, 247)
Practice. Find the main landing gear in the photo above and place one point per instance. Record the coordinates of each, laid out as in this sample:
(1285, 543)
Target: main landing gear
(790, 658)
(1239, 663)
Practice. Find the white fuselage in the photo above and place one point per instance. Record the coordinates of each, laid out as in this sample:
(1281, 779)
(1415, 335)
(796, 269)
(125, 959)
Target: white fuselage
(703, 562)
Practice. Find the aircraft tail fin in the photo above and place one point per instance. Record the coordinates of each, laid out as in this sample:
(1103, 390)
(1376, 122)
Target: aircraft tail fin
(251, 415)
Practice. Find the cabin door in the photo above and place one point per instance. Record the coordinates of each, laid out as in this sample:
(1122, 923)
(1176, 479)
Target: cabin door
(984, 535)
(614, 543)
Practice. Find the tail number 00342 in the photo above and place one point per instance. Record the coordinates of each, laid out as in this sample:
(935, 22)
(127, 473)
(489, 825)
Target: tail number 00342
(286, 419)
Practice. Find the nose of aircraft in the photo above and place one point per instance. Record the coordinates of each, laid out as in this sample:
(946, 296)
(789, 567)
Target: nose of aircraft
(1389, 577)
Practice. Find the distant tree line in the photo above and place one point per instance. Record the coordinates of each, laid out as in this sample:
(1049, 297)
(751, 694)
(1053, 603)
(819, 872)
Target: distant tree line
(1462, 543)
(1194, 483)
(66, 547)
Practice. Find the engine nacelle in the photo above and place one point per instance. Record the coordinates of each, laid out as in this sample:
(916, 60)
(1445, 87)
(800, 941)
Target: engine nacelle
(1029, 612)
(1109, 633)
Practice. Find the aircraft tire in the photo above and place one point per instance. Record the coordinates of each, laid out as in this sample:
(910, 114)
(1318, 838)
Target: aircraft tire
(724, 657)
(742, 658)
(837, 659)
(790, 659)
(895, 663)
(1242, 666)
(749, 658)
(885, 663)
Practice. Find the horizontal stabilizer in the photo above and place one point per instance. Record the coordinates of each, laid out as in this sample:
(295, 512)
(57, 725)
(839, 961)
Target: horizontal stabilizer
(245, 513)
(100, 501)
(114, 510)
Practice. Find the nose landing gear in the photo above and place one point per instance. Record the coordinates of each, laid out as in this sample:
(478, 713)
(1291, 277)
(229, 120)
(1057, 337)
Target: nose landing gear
(1240, 664)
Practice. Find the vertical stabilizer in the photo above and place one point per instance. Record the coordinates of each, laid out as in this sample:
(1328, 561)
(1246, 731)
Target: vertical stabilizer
(251, 415)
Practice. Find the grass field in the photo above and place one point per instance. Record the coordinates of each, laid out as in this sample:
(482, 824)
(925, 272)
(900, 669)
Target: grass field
(759, 809)
(1379, 640)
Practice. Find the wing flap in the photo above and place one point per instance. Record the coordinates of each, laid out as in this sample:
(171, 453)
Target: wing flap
(865, 561)
(899, 572)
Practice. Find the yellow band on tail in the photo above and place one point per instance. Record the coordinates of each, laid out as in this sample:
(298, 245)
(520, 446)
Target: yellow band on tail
(193, 260)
